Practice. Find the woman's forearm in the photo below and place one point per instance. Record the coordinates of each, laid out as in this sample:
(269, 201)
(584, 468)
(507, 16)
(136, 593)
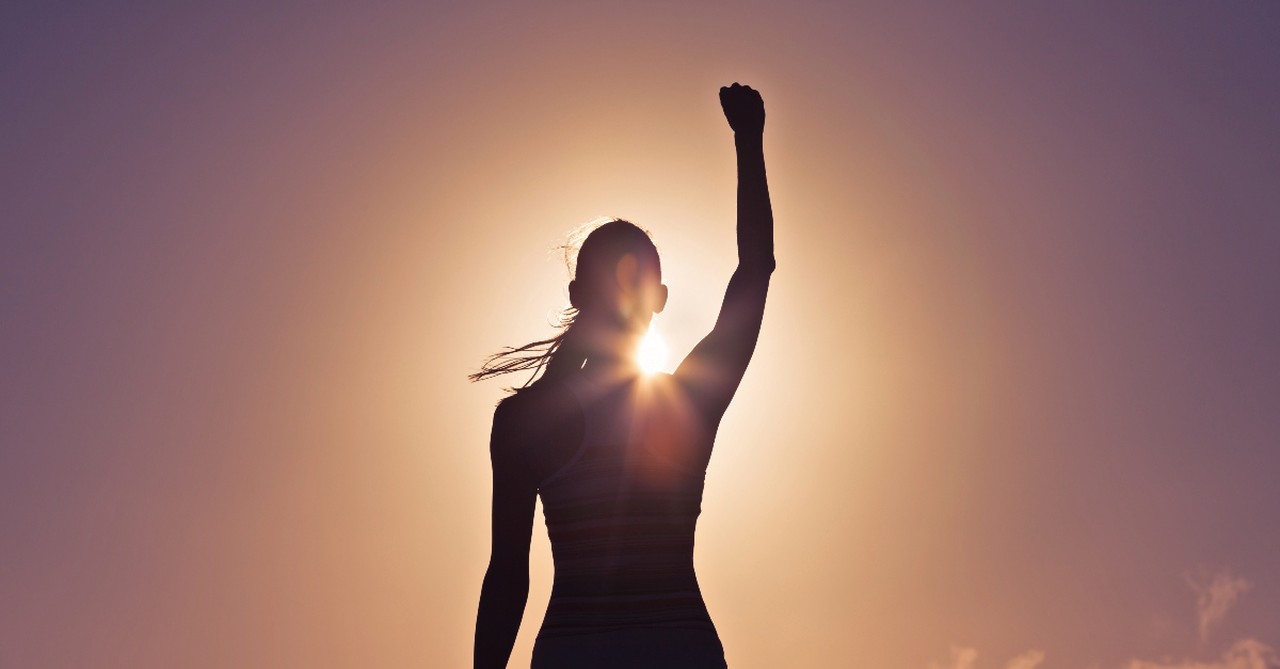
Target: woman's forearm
(502, 601)
(755, 212)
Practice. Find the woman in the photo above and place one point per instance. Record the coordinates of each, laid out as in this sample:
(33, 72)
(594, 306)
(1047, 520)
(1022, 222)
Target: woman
(619, 457)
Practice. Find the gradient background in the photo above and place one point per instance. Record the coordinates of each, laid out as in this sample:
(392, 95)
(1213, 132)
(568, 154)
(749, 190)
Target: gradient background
(1017, 394)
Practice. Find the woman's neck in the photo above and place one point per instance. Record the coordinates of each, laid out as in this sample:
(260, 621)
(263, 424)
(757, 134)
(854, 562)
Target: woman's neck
(610, 350)
(610, 367)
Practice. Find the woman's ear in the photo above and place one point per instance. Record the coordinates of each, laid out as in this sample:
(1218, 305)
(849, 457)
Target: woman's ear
(661, 302)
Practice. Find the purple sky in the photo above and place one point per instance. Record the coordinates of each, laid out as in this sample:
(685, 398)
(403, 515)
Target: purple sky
(1018, 390)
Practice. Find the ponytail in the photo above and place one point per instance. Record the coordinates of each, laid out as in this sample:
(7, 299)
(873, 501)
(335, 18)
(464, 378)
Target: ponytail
(551, 357)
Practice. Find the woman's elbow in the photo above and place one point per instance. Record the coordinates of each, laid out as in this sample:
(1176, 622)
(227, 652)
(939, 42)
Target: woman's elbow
(760, 267)
(508, 568)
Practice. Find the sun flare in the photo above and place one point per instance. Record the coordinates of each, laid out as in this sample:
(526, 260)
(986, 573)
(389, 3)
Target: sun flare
(652, 354)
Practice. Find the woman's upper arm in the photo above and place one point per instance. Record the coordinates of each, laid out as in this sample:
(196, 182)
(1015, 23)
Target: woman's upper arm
(514, 492)
(714, 368)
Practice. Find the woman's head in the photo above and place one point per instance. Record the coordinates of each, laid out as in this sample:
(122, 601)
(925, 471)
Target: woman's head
(617, 278)
(615, 291)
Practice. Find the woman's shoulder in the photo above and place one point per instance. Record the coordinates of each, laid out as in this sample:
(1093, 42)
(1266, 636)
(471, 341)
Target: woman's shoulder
(539, 427)
(537, 407)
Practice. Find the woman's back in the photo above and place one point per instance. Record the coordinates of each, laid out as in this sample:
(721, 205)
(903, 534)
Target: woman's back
(621, 512)
(621, 509)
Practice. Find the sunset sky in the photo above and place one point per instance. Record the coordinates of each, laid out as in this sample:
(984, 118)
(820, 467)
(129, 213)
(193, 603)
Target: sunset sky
(1016, 402)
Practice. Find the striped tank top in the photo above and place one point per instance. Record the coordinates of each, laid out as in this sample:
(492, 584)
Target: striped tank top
(621, 512)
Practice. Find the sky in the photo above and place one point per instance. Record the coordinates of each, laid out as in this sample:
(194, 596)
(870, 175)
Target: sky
(1015, 401)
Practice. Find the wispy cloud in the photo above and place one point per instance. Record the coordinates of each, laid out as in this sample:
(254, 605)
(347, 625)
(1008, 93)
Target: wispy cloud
(1216, 596)
(965, 658)
(1243, 654)
(1028, 660)
(961, 658)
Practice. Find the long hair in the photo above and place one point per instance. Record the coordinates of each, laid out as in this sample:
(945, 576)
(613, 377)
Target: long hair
(591, 250)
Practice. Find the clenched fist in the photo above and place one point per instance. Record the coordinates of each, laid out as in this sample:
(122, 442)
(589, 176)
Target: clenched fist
(743, 108)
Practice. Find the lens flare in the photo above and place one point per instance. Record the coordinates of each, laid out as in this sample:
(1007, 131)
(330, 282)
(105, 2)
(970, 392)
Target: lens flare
(652, 354)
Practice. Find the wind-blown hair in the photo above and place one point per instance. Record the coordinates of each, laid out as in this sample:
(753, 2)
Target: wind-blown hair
(590, 254)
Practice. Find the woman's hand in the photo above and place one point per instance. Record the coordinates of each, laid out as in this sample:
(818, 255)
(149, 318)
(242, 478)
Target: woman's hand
(743, 108)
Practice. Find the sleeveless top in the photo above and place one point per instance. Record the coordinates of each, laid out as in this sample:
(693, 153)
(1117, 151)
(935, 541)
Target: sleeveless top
(621, 512)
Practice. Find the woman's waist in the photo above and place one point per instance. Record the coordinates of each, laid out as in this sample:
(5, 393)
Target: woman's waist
(582, 613)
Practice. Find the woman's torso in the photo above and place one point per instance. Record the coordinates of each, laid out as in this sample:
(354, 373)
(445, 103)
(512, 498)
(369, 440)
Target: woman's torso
(621, 509)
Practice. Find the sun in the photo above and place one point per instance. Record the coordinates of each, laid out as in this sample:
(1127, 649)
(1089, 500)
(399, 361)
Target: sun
(652, 354)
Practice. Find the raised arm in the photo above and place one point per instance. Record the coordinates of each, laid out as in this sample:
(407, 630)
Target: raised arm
(506, 582)
(714, 368)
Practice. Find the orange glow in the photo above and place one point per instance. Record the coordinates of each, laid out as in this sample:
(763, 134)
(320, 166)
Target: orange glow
(1016, 376)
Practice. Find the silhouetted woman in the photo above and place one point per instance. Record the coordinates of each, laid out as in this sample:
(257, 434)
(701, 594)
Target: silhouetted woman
(617, 456)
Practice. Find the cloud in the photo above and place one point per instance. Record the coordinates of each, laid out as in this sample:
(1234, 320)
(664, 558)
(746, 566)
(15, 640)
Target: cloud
(961, 658)
(1215, 597)
(1028, 660)
(964, 658)
(1243, 654)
